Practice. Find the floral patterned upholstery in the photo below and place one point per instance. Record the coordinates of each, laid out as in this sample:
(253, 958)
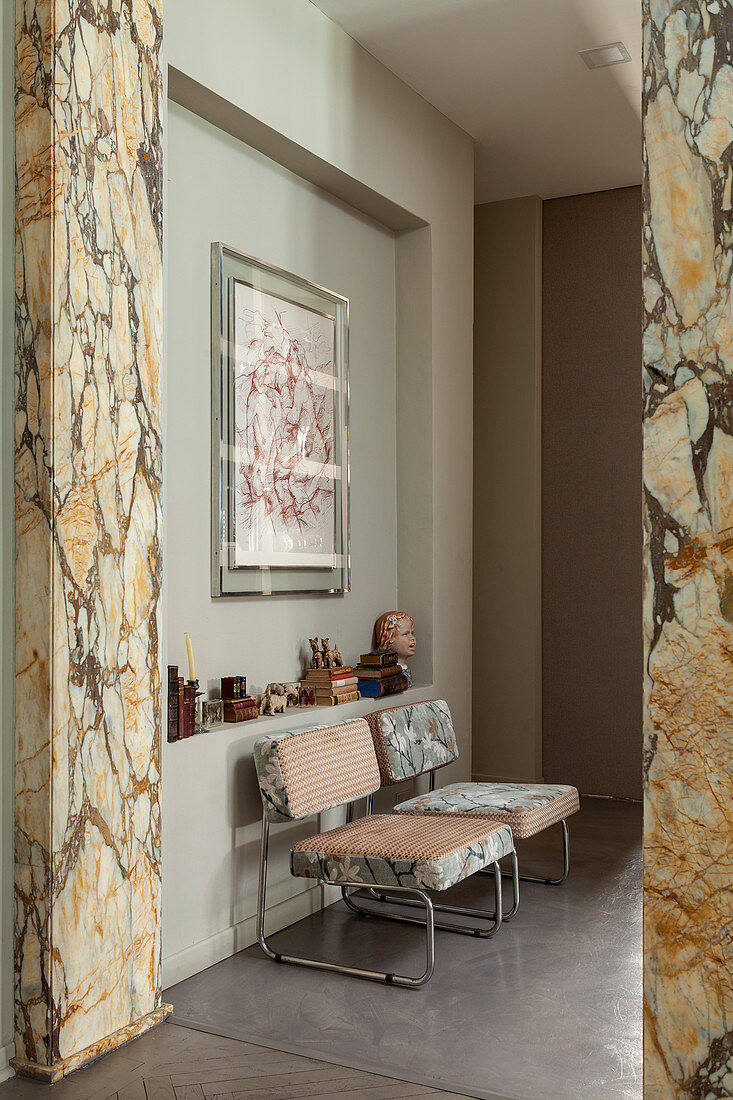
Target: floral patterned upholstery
(526, 807)
(387, 850)
(410, 740)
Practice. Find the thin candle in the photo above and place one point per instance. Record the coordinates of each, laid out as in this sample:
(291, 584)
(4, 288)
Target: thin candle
(191, 664)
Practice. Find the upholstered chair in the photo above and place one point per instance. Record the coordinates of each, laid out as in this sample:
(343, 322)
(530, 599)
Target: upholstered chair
(304, 772)
(419, 738)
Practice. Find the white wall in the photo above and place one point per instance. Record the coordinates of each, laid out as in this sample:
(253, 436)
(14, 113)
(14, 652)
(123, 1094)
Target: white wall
(283, 64)
(221, 190)
(7, 285)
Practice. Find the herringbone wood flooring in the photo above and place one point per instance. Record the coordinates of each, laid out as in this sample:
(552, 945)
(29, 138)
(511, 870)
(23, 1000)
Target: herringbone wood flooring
(178, 1063)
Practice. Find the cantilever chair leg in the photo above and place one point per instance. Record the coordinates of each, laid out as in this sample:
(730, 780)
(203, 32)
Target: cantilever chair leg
(384, 895)
(565, 863)
(370, 975)
(534, 878)
(381, 895)
(481, 914)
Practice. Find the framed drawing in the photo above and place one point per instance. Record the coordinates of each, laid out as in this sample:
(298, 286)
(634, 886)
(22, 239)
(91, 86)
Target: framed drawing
(280, 431)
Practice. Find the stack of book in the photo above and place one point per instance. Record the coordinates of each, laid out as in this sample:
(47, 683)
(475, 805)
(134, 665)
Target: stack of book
(240, 710)
(181, 706)
(238, 706)
(175, 704)
(233, 687)
(332, 685)
(379, 674)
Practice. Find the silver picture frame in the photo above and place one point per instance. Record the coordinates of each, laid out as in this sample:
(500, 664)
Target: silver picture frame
(231, 269)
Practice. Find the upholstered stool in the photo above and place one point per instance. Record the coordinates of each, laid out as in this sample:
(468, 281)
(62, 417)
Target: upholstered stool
(411, 740)
(308, 771)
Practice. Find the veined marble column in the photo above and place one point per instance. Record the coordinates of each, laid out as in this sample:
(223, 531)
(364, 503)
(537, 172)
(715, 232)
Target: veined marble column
(688, 612)
(88, 528)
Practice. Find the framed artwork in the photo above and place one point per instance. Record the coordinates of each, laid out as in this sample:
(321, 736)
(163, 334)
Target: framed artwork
(280, 434)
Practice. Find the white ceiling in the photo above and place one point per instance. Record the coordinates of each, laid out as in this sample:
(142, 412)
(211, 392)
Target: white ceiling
(508, 72)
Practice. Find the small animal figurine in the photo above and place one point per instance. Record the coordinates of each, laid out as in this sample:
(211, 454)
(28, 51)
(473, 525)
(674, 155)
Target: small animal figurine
(292, 694)
(275, 700)
(328, 661)
(337, 660)
(317, 656)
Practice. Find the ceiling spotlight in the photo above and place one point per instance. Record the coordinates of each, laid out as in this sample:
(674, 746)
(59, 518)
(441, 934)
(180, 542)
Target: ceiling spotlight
(615, 53)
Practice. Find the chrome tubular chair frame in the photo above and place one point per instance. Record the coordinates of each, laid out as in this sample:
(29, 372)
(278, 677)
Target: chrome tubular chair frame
(383, 894)
(533, 878)
(370, 975)
(565, 863)
(459, 910)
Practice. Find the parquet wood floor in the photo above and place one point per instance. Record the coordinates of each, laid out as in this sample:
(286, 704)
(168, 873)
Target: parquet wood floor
(178, 1063)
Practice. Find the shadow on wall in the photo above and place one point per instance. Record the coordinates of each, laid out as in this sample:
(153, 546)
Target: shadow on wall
(526, 66)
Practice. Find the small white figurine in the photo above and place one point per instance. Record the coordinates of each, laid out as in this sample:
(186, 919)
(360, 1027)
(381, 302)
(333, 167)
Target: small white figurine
(275, 700)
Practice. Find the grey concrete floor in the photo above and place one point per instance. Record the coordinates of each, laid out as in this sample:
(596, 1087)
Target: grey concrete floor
(550, 1009)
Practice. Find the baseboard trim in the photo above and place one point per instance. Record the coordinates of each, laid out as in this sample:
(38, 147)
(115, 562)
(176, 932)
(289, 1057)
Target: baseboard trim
(222, 945)
(51, 1074)
(6, 1070)
(478, 778)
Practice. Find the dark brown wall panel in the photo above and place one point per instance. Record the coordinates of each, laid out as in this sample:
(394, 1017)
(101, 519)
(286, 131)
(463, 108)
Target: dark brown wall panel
(591, 494)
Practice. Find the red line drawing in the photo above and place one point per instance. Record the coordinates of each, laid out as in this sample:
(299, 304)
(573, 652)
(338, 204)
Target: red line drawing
(284, 387)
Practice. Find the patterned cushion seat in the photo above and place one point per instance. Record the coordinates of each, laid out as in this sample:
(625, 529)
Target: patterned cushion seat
(526, 807)
(386, 850)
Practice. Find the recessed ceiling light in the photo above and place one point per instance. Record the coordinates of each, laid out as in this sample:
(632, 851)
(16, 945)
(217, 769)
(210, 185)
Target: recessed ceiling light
(615, 53)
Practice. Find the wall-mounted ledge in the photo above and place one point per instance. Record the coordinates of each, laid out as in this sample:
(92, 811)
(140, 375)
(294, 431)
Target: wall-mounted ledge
(296, 718)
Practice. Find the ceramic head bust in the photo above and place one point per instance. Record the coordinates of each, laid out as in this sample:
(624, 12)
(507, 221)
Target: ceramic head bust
(395, 632)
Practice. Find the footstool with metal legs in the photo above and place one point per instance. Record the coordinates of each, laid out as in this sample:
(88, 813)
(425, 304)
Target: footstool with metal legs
(411, 740)
(305, 772)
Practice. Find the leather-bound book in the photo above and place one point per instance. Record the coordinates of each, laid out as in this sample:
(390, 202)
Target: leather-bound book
(233, 687)
(336, 700)
(331, 685)
(241, 704)
(181, 682)
(379, 659)
(386, 673)
(377, 689)
(340, 673)
(337, 692)
(235, 713)
(173, 731)
(189, 710)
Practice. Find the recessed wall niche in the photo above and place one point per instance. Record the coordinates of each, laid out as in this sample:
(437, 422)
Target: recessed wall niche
(221, 188)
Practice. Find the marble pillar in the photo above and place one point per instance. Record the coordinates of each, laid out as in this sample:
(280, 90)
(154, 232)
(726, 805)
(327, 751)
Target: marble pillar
(688, 560)
(88, 528)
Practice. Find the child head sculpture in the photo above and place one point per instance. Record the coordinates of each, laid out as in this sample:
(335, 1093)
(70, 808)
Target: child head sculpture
(395, 632)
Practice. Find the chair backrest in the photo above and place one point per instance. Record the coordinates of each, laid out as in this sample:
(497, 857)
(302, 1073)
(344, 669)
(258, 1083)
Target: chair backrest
(413, 739)
(306, 771)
